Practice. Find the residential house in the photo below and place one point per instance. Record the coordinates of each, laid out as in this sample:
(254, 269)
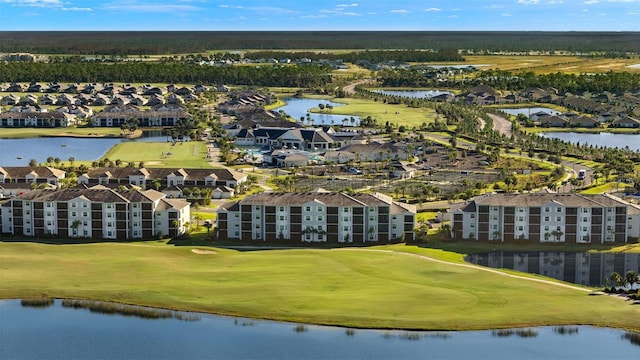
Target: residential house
(626, 122)
(31, 175)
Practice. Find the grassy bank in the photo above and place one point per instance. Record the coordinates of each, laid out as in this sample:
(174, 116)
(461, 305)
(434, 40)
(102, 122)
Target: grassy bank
(189, 154)
(382, 287)
(22, 133)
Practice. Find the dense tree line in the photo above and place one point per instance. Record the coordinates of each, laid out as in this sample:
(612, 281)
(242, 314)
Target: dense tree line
(181, 42)
(370, 56)
(166, 72)
(506, 80)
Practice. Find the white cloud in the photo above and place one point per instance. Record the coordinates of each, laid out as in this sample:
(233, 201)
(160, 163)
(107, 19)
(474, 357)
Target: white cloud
(505, 14)
(34, 3)
(399, 11)
(433, 9)
(590, 2)
(153, 8)
(346, 5)
(453, 16)
(528, 2)
(76, 9)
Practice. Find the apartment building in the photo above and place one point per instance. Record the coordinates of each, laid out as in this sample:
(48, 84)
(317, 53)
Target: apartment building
(546, 218)
(96, 213)
(317, 217)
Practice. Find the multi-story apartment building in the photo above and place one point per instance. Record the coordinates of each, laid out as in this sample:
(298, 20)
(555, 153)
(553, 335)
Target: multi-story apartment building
(317, 217)
(546, 217)
(97, 213)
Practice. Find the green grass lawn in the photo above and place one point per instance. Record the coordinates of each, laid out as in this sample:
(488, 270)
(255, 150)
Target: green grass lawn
(188, 154)
(381, 287)
(15, 133)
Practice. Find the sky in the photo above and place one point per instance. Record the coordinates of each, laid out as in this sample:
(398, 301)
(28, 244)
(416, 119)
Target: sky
(315, 15)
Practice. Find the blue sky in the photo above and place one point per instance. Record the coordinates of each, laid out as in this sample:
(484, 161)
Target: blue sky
(423, 15)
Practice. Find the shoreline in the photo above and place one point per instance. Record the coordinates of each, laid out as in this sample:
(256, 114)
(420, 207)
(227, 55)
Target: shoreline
(338, 325)
(327, 314)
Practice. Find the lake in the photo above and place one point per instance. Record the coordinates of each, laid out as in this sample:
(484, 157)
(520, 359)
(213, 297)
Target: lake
(60, 332)
(299, 107)
(530, 110)
(18, 152)
(418, 94)
(599, 139)
(589, 269)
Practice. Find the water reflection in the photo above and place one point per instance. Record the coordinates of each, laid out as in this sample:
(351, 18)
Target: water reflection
(588, 269)
(72, 334)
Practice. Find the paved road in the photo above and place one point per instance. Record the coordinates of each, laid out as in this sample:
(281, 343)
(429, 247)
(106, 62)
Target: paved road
(502, 125)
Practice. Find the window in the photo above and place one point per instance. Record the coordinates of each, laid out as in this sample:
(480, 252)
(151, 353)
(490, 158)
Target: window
(85, 223)
(84, 205)
(281, 208)
(346, 210)
(319, 209)
(394, 226)
(108, 233)
(320, 218)
(346, 218)
(471, 225)
(609, 209)
(109, 215)
(520, 218)
(494, 217)
(308, 208)
(48, 205)
(585, 219)
(546, 228)
(281, 218)
(546, 218)
(346, 228)
(371, 218)
(308, 236)
(521, 210)
(546, 209)
(281, 227)
(494, 226)
(73, 213)
(520, 228)
(237, 233)
(585, 229)
(473, 216)
(73, 205)
(585, 210)
(85, 214)
(559, 209)
(558, 218)
(307, 218)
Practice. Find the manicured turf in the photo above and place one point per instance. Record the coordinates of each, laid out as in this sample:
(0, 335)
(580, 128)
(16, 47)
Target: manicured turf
(372, 287)
(188, 154)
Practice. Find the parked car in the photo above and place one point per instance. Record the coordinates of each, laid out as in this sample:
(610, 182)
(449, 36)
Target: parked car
(354, 171)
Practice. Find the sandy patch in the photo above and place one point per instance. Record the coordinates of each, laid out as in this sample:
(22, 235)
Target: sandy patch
(203, 252)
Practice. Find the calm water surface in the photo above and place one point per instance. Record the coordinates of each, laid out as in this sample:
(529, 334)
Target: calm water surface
(589, 269)
(600, 139)
(530, 110)
(419, 94)
(63, 333)
(299, 107)
(18, 152)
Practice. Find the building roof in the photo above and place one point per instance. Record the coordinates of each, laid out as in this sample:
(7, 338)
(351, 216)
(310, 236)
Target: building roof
(542, 199)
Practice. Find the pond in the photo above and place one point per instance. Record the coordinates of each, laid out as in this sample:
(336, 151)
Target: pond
(299, 108)
(418, 94)
(18, 152)
(68, 333)
(530, 110)
(589, 269)
(600, 139)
